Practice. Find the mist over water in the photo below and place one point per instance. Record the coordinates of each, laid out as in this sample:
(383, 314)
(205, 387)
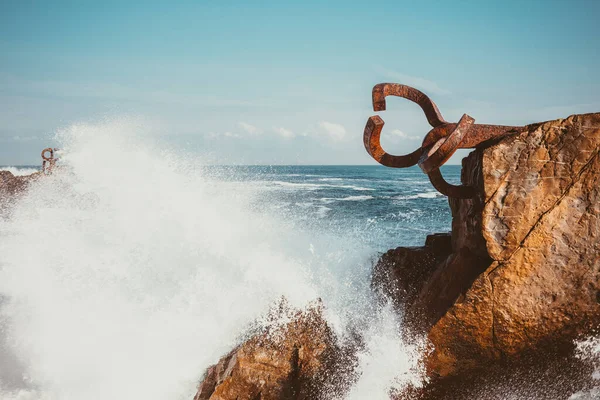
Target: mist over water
(132, 270)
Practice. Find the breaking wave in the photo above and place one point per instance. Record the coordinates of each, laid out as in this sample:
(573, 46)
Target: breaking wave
(348, 198)
(425, 195)
(125, 277)
(317, 186)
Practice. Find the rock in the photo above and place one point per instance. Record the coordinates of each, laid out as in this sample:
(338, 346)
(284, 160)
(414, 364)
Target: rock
(541, 223)
(11, 185)
(402, 272)
(300, 360)
(523, 279)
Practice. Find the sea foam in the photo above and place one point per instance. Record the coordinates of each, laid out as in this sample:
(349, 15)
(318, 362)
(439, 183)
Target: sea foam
(128, 273)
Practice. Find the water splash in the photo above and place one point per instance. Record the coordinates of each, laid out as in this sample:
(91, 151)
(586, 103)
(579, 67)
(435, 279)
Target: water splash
(129, 272)
(589, 350)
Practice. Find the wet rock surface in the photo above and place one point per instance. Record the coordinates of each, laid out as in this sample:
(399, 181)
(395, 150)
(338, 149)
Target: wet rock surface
(299, 360)
(11, 186)
(541, 224)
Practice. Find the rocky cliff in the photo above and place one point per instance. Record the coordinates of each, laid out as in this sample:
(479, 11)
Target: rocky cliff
(520, 283)
(538, 214)
(502, 298)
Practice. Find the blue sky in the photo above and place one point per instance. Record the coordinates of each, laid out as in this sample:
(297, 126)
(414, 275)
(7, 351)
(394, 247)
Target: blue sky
(288, 82)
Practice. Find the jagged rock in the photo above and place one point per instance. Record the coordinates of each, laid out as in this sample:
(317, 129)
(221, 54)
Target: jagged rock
(541, 224)
(299, 360)
(11, 185)
(402, 272)
(523, 279)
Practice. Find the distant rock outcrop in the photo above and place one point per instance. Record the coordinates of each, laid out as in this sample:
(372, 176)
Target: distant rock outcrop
(11, 185)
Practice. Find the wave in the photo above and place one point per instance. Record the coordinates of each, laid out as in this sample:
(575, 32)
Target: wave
(20, 171)
(322, 211)
(328, 200)
(298, 175)
(146, 273)
(425, 195)
(317, 186)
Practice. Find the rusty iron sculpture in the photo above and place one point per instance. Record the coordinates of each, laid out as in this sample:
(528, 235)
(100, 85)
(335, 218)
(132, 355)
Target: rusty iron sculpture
(49, 160)
(439, 144)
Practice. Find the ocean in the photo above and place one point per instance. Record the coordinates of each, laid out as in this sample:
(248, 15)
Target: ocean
(382, 207)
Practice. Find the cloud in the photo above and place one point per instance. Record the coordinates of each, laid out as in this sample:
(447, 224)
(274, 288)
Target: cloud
(420, 83)
(251, 129)
(214, 135)
(18, 138)
(335, 131)
(400, 134)
(286, 133)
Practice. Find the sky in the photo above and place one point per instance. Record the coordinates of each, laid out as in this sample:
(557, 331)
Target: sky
(288, 82)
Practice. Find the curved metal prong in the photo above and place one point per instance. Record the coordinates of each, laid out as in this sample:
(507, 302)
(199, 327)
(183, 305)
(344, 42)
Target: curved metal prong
(455, 191)
(438, 145)
(372, 144)
(48, 150)
(380, 91)
(436, 155)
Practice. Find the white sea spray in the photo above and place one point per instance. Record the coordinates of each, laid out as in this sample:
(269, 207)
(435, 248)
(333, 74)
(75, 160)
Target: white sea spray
(127, 273)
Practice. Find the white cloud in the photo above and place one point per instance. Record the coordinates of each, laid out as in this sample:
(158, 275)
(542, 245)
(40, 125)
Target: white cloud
(400, 134)
(24, 138)
(423, 84)
(214, 135)
(251, 129)
(286, 133)
(335, 131)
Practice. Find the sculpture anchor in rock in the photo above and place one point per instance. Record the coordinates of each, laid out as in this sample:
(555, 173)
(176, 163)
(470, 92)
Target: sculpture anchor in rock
(439, 144)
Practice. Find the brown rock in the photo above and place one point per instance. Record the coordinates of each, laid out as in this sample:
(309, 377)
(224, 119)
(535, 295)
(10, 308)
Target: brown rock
(523, 278)
(401, 273)
(300, 360)
(541, 224)
(11, 186)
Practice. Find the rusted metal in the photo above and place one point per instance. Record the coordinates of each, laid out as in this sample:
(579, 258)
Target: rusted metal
(439, 144)
(49, 161)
